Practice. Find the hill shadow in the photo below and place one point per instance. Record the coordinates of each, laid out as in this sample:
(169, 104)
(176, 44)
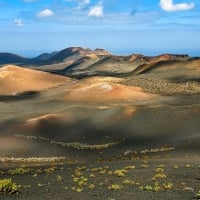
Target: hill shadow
(20, 96)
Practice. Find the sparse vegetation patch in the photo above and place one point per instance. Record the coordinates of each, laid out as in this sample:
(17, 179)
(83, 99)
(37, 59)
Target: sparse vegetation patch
(74, 145)
(8, 187)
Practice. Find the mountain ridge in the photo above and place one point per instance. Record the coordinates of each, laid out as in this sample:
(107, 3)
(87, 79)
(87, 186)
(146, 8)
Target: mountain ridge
(79, 62)
(59, 56)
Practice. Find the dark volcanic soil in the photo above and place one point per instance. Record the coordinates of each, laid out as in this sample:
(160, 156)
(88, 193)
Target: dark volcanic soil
(132, 176)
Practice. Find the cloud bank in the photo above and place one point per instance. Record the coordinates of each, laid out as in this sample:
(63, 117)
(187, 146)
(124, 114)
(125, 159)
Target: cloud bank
(169, 6)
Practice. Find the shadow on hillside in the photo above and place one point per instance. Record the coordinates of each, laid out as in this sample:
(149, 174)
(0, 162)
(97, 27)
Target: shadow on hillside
(20, 96)
(146, 127)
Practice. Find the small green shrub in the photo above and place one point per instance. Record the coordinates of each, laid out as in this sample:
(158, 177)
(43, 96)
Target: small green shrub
(120, 172)
(154, 188)
(159, 176)
(20, 170)
(167, 186)
(8, 187)
(59, 178)
(147, 187)
(197, 195)
(114, 187)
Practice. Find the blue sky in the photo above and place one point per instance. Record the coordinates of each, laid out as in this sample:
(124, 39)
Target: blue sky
(29, 27)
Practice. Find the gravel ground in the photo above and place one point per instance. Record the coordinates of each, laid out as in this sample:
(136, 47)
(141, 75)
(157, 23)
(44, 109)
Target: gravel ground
(131, 176)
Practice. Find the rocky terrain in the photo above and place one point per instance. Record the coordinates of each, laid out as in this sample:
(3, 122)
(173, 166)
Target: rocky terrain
(81, 123)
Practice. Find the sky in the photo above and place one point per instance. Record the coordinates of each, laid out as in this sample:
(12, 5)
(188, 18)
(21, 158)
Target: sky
(30, 27)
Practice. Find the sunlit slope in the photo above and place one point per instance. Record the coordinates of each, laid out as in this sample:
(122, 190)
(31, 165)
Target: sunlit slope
(15, 79)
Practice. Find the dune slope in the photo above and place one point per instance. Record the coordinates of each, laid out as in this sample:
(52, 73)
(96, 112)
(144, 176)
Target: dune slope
(14, 80)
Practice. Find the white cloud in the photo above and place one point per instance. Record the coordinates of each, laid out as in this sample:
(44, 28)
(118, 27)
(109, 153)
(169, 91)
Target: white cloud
(45, 13)
(18, 22)
(169, 6)
(96, 11)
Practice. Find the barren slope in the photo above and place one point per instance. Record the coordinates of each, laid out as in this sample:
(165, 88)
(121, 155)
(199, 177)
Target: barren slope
(15, 79)
(105, 89)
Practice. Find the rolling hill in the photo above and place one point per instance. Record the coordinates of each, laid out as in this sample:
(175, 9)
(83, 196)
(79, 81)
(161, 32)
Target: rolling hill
(15, 80)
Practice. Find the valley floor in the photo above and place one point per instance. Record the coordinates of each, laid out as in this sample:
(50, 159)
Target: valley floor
(133, 137)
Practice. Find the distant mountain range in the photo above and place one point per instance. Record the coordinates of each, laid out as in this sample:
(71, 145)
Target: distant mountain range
(49, 58)
(80, 62)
